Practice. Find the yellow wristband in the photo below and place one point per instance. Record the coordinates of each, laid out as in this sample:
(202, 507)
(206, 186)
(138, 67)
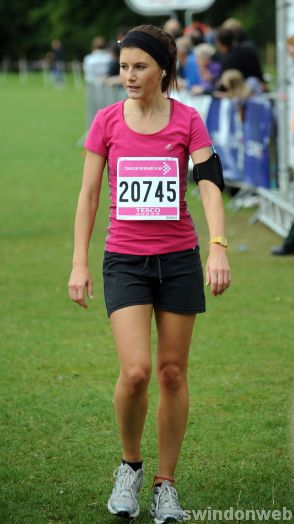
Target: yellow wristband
(219, 240)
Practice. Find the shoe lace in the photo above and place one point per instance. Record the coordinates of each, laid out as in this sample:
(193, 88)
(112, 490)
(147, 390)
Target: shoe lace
(168, 497)
(124, 477)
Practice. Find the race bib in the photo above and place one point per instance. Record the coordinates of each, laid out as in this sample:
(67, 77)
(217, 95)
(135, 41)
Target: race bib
(148, 188)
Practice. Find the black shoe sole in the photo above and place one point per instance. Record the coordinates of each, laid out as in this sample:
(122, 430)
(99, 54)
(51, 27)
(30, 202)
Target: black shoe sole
(124, 515)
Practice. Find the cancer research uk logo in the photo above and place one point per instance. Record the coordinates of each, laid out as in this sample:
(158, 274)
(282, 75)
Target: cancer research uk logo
(237, 515)
(166, 168)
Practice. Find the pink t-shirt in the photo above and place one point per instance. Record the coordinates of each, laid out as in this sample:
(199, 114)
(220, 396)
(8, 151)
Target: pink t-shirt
(110, 137)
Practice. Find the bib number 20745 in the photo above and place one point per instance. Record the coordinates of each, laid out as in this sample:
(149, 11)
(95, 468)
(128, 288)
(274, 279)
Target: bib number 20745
(137, 192)
(147, 188)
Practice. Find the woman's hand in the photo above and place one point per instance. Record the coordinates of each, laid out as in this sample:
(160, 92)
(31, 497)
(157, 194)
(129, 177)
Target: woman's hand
(80, 279)
(218, 273)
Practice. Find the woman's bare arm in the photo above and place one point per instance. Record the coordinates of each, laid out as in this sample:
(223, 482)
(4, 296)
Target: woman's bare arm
(218, 274)
(84, 222)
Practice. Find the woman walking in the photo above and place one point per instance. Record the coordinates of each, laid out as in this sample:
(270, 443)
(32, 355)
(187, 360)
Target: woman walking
(151, 262)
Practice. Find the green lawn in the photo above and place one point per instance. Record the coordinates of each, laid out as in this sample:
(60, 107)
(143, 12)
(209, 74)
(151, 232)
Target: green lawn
(59, 443)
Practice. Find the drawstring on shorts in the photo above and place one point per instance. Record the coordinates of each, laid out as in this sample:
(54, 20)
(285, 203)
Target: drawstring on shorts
(147, 262)
(159, 268)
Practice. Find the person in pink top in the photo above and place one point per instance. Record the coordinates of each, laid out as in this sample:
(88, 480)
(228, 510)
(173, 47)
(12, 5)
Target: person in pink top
(151, 262)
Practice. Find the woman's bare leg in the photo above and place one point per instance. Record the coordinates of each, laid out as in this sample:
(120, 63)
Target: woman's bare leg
(131, 328)
(174, 338)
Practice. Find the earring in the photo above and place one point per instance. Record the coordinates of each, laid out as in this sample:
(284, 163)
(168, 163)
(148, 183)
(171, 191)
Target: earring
(163, 74)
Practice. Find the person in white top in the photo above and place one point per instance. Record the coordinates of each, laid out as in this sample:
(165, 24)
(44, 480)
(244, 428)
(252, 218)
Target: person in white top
(96, 64)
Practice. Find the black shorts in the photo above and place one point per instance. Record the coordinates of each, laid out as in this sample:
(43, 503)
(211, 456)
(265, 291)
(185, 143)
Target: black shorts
(172, 282)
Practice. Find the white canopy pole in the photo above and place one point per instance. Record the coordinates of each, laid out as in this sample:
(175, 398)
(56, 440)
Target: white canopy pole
(290, 85)
(282, 102)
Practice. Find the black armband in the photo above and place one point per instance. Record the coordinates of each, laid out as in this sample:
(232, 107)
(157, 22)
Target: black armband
(211, 170)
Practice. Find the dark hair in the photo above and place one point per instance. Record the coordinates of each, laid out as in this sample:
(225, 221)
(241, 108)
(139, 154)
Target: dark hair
(197, 36)
(170, 80)
(226, 37)
(240, 35)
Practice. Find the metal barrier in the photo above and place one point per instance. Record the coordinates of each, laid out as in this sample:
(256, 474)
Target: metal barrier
(24, 68)
(99, 95)
(274, 211)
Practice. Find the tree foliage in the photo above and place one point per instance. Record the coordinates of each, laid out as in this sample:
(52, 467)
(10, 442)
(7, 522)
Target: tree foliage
(28, 26)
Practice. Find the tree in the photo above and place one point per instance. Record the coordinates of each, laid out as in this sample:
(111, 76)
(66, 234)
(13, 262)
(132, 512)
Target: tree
(28, 26)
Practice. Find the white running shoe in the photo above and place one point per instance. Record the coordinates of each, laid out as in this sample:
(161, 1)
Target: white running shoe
(165, 505)
(123, 501)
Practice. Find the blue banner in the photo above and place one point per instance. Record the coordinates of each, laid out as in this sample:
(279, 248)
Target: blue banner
(257, 129)
(241, 135)
(225, 128)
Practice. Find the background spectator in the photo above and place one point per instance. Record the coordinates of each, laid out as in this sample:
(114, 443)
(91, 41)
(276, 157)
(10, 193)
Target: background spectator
(114, 67)
(240, 36)
(196, 33)
(233, 85)
(287, 248)
(239, 56)
(96, 64)
(188, 69)
(173, 27)
(209, 69)
(232, 24)
(200, 33)
(57, 62)
(113, 76)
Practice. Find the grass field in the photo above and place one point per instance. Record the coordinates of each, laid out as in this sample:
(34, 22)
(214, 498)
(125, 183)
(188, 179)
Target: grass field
(59, 443)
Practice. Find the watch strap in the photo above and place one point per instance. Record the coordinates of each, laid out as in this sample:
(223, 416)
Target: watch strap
(219, 240)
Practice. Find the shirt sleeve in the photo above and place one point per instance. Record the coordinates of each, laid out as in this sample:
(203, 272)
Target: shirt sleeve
(199, 136)
(95, 140)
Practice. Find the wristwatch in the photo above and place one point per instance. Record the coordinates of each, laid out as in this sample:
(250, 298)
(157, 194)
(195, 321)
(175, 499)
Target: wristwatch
(219, 240)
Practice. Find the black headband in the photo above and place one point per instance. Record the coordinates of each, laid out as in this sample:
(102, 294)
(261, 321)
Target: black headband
(150, 44)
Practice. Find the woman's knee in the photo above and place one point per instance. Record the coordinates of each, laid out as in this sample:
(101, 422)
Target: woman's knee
(136, 379)
(171, 376)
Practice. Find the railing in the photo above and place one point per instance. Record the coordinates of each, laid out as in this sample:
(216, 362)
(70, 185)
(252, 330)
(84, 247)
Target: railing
(24, 68)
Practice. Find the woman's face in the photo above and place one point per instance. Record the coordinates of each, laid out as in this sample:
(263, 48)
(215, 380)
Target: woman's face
(140, 73)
